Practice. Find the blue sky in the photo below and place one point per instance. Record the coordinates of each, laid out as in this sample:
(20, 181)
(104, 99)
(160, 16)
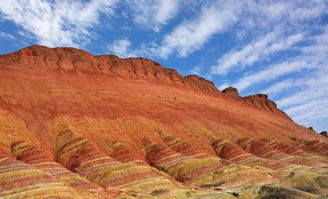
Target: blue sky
(278, 47)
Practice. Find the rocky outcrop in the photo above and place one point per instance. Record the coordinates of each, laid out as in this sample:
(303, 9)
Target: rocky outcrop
(288, 148)
(262, 102)
(72, 60)
(200, 83)
(312, 146)
(123, 154)
(43, 161)
(183, 147)
(262, 148)
(199, 171)
(21, 180)
(236, 154)
(324, 133)
(231, 91)
(315, 146)
(259, 101)
(84, 157)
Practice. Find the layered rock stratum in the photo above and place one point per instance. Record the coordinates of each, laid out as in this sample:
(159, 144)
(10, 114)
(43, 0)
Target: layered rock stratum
(75, 125)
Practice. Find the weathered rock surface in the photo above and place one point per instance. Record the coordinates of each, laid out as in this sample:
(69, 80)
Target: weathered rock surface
(74, 125)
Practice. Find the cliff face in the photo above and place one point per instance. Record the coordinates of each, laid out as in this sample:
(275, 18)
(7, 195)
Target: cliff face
(75, 61)
(102, 126)
(71, 60)
(231, 92)
(260, 101)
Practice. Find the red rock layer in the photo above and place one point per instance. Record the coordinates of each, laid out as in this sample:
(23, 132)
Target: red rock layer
(212, 171)
(234, 153)
(317, 147)
(75, 60)
(160, 156)
(190, 170)
(84, 157)
(233, 92)
(301, 144)
(39, 84)
(288, 148)
(260, 101)
(44, 161)
(108, 98)
(3, 155)
(123, 154)
(291, 149)
(21, 180)
(164, 158)
(183, 147)
(262, 149)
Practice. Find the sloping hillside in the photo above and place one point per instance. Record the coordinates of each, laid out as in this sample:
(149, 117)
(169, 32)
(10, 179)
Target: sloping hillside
(74, 125)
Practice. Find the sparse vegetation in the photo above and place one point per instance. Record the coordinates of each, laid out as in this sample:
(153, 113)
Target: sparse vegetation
(324, 133)
(307, 189)
(159, 192)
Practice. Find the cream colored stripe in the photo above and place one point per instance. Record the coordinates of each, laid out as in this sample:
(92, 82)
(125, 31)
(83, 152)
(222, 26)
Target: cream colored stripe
(22, 190)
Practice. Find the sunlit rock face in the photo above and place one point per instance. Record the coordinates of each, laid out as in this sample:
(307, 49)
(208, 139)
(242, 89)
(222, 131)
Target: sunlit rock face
(75, 125)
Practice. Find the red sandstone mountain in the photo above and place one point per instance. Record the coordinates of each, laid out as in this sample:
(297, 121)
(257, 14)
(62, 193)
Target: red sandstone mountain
(88, 113)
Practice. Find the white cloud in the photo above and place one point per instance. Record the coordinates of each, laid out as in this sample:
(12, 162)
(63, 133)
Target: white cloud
(288, 15)
(121, 48)
(224, 86)
(283, 85)
(255, 51)
(307, 102)
(305, 10)
(196, 70)
(7, 36)
(153, 13)
(311, 113)
(273, 26)
(62, 22)
(318, 48)
(315, 51)
(191, 35)
(316, 88)
(299, 110)
(25, 34)
(274, 72)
